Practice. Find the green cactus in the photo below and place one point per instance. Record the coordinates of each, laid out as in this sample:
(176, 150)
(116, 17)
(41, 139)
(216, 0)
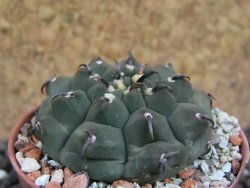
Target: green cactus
(127, 122)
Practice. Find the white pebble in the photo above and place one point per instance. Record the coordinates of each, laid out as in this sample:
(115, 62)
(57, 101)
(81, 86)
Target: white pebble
(29, 165)
(42, 180)
(102, 184)
(204, 167)
(19, 157)
(177, 181)
(235, 148)
(227, 167)
(54, 163)
(197, 162)
(159, 184)
(93, 185)
(236, 156)
(57, 176)
(223, 142)
(225, 158)
(3, 174)
(217, 175)
(39, 144)
(136, 185)
(171, 186)
(222, 116)
(227, 127)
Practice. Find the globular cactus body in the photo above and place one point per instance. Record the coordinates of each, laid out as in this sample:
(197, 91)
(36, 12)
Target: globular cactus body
(128, 122)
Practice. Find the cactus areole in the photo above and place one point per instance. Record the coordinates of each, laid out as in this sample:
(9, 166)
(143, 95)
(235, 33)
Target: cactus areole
(127, 121)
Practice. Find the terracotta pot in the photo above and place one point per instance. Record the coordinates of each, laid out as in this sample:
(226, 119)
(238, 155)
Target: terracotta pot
(25, 182)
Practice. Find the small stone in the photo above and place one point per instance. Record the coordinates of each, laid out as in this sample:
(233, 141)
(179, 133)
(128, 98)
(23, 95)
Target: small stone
(186, 173)
(29, 165)
(224, 159)
(78, 181)
(34, 175)
(170, 186)
(54, 164)
(42, 180)
(204, 178)
(204, 167)
(3, 174)
(227, 167)
(190, 183)
(46, 13)
(227, 127)
(235, 148)
(53, 184)
(235, 140)
(177, 181)
(217, 175)
(19, 158)
(57, 176)
(136, 185)
(159, 184)
(197, 163)
(67, 173)
(101, 184)
(223, 142)
(123, 183)
(93, 185)
(34, 153)
(218, 184)
(235, 166)
(236, 156)
(147, 186)
(39, 145)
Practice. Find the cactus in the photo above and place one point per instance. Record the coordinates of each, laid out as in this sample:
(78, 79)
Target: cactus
(128, 122)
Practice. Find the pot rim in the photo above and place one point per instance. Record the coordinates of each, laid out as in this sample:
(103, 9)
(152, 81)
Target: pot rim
(29, 114)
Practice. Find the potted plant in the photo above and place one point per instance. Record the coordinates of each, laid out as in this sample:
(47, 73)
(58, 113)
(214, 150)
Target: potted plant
(129, 122)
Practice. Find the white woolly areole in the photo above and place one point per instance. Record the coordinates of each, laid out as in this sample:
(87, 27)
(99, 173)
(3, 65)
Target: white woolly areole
(170, 79)
(130, 67)
(166, 65)
(99, 62)
(94, 77)
(147, 114)
(111, 89)
(148, 91)
(198, 115)
(53, 79)
(92, 139)
(136, 77)
(69, 94)
(109, 96)
(120, 84)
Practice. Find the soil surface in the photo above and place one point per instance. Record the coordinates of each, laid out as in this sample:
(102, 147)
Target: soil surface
(208, 40)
